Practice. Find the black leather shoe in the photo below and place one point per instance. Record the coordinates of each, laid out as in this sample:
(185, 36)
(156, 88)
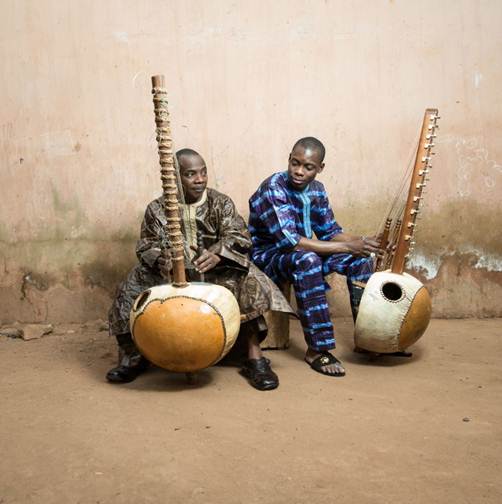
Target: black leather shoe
(128, 370)
(123, 374)
(259, 374)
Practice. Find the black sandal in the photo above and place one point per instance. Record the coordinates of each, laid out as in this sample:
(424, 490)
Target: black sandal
(323, 360)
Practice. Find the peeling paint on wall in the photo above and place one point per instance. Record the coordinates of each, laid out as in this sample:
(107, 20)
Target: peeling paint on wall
(477, 79)
(474, 161)
(427, 265)
(489, 262)
(58, 143)
(121, 36)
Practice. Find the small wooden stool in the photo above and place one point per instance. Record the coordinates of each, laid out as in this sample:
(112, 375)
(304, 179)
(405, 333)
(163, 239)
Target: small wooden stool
(278, 326)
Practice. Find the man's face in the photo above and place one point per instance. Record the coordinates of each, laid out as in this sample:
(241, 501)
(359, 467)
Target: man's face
(303, 166)
(193, 174)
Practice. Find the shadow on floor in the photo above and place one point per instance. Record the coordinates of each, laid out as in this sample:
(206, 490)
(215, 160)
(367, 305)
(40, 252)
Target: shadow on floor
(98, 354)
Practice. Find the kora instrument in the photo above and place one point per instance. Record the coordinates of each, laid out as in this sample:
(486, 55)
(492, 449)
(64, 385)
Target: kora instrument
(180, 326)
(395, 307)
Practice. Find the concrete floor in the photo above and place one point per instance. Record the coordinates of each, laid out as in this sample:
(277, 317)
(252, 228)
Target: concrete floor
(426, 430)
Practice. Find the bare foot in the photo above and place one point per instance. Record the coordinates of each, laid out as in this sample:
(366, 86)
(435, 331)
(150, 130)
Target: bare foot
(324, 363)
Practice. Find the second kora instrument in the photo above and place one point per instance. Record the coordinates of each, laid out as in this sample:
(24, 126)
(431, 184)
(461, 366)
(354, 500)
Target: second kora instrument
(180, 326)
(395, 307)
(395, 311)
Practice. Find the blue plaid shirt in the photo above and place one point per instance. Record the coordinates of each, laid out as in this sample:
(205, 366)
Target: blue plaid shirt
(280, 215)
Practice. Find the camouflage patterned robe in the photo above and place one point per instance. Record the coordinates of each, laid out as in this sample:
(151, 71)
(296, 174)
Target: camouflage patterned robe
(224, 233)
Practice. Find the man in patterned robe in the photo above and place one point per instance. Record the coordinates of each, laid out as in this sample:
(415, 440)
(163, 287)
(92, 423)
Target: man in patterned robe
(297, 239)
(224, 261)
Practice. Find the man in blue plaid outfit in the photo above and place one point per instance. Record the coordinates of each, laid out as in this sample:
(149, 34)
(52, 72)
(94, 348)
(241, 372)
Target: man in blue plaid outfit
(297, 239)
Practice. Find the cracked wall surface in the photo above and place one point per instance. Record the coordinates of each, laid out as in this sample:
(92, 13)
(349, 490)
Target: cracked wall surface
(78, 154)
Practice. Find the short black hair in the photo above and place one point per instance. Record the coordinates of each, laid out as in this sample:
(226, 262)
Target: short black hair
(312, 144)
(186, 152)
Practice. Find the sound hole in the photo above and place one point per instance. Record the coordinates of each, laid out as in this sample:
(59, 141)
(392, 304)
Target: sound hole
(392, 291)
(141, 300)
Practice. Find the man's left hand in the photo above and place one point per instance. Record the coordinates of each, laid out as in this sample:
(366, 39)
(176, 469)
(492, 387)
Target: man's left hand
(388, 249)
(206, 261)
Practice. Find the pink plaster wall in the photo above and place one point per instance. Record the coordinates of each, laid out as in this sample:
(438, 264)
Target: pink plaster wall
(246, 79)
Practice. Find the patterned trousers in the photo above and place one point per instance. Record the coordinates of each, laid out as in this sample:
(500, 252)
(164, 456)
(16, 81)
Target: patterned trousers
(306, 271)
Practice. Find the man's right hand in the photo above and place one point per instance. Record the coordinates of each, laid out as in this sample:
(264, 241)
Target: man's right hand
(364, 246)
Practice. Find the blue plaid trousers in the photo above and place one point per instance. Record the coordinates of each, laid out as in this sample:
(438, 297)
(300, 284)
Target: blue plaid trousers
(306, 271)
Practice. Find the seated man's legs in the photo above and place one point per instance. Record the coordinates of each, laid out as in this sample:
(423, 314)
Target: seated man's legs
(257, 368)
(357, 270)
(256, 294)
(130, 363)
(305, 271)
